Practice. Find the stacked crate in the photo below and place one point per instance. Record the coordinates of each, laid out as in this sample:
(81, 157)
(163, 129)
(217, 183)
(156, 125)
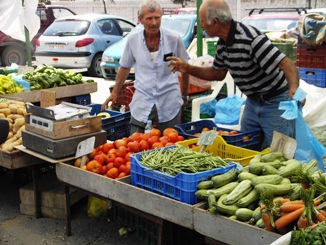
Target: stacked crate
(311, 63)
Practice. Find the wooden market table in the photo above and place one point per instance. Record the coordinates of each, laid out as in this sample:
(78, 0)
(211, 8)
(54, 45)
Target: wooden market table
(194, 217)
(19, 160)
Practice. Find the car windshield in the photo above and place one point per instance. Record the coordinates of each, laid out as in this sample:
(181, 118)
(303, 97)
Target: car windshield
(271, 24)
(67, 28)
(179, 25)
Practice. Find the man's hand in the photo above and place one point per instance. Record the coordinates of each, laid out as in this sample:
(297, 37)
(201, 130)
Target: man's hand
(177, 64)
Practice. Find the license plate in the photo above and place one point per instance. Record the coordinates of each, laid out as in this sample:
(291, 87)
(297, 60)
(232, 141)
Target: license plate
(56, 46)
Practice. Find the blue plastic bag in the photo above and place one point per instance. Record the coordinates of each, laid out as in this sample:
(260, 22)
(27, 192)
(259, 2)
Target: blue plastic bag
(208, 108)
(308, 147)
(227, 110)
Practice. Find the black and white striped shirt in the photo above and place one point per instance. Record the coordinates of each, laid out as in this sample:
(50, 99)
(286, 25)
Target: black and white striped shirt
(251, 59)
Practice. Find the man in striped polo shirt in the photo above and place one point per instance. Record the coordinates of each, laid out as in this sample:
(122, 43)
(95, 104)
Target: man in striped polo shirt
(260, 70)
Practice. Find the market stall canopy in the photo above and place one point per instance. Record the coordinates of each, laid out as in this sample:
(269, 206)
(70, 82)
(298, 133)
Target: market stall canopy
(15, 17)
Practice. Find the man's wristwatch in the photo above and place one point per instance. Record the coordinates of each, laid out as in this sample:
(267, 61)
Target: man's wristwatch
(184, 97)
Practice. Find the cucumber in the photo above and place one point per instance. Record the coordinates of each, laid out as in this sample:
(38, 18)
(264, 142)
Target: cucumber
(244, 214)
(242, 189)
(223, 179)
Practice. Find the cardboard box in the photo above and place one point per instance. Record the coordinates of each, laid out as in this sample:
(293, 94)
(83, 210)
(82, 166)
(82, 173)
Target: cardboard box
(52, 198)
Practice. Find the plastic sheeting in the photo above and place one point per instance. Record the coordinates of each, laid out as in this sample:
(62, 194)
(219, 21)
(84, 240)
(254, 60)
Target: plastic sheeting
(314, 111)
(14, 17)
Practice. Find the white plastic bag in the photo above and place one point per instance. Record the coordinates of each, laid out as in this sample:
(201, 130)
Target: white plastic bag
(202, 61)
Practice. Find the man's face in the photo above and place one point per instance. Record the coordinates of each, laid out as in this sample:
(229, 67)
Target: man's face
(151, 21)
(209, 28)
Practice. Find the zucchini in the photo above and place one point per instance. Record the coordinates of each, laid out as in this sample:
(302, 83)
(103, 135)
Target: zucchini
(225, 209)
(244, 214)
(242, 189)
(223, 179)
(290, 168)
(269, 169)
(256, 214)
(260, 223)
(276, 190)
(234, 217)
(256, 168)
(267, 179)
(272, 156)
(255, 159)
(226, 189)
(285, 181)
(211, 199)
(246, 175)
(201, 194)
(276, 164)
(295, 195)
(205, 185)
(251, 197)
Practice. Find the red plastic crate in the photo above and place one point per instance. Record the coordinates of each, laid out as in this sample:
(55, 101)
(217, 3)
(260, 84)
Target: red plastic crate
(311, 56)
(192, 88)
(122, 93)
(130, 90)
(312, 76)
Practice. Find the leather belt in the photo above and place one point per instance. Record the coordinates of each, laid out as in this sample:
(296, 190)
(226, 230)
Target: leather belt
(261, 98)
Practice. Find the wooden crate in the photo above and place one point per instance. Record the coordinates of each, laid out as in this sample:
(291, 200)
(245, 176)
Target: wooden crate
(17, 159)
(61, 92)
(52, 198)
(69, 128)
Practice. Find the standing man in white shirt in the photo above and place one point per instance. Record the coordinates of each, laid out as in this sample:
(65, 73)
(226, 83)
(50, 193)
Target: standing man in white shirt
(157, 94)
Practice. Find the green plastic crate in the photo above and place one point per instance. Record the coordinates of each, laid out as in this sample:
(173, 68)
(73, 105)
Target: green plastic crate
(288, 49)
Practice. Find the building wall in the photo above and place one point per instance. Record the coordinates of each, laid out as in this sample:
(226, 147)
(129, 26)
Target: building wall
(128, 8)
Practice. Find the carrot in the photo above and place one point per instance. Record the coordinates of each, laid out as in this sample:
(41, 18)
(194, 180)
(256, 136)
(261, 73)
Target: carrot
(323, 212)
(293, 202)
(317, 202)
(262, 207)
(292, 207)
(319, 216)
(281, 199)
(267, 221)
(302, 222)
(288, 218)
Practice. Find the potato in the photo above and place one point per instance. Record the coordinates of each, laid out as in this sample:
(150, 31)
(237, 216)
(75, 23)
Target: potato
(15, 116)
(3, 105)
(17, 124)
(2, 115)
(13, 108)
(5, 111)
(22, 111)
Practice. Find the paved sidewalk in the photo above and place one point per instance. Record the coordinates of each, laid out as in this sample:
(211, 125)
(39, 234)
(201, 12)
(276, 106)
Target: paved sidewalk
(17, 229)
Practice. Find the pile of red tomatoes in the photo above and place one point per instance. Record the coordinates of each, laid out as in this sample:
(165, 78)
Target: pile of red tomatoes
(112, 159)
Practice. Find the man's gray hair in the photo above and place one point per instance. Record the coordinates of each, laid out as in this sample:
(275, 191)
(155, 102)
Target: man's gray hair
(151, 5)
(222, 13)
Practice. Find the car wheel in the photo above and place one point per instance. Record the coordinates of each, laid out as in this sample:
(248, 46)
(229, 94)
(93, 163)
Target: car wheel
(95, 69)
(13, 54)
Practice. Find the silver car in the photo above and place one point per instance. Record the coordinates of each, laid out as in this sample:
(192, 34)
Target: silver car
(79, 41)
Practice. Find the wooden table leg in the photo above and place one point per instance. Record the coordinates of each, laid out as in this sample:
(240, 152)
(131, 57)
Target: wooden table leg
(37, 193)
(67, 211)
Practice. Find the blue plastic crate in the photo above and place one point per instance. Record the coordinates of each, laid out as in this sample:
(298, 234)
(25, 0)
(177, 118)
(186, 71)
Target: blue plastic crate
(117, 126)
(313, 76)
(181, 187)
(82, 99)
(189, 129)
